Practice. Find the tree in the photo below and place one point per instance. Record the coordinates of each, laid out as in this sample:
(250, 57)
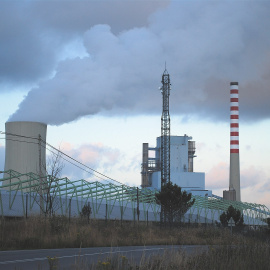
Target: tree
(173, 201)
(86, 212)
(48, 185)
(232, 213)
(54, 169)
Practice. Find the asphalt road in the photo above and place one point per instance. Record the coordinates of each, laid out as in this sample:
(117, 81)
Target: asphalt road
(37, 259)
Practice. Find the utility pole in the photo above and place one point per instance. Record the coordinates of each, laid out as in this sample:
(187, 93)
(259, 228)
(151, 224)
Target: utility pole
(40, 175)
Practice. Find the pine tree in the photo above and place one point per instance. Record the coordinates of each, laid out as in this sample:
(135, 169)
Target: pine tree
(232, 213)
(174, 202)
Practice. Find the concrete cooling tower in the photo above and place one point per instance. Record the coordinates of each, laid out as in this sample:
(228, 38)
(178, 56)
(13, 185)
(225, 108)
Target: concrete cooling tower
(23, 151)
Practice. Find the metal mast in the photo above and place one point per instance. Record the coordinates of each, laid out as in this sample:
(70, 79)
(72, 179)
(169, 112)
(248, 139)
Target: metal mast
(165, 129)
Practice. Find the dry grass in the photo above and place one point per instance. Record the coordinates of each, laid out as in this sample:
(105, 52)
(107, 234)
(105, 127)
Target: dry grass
(226, 251)
(240, 257)
(59, 233)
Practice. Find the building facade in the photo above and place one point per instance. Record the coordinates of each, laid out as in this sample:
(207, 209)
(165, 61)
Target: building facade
(182, 153)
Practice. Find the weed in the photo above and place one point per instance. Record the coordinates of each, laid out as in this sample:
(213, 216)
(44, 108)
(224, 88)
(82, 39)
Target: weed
(53, 263)
(58, 232)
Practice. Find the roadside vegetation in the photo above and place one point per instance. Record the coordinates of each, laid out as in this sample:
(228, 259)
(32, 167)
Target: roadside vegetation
(243, 257)
(243, 247)
(59, 232)
(240, 250)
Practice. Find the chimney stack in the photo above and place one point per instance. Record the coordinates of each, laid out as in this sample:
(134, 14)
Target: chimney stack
(234, 187)
(234, 141)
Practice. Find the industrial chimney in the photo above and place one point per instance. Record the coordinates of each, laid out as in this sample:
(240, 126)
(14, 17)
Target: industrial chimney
(234, 187)
(25, 151)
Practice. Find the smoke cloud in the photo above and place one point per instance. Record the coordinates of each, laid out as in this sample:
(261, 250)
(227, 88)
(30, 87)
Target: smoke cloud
(205, 44)
(35, 35)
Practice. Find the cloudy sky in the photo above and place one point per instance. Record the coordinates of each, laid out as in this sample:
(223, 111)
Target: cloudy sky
(91, 70)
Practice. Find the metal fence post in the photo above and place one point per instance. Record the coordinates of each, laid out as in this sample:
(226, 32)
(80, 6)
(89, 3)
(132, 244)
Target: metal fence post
(138, 206)
(69, 210)
(121, 210)
(89, 213)
(106, 213)
(26, 205)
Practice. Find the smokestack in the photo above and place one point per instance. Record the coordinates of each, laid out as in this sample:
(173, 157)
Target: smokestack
(24, 151)
(145, 179)
(234, 142)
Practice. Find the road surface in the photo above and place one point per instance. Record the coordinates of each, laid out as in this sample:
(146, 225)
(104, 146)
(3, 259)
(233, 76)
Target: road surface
(37, 259)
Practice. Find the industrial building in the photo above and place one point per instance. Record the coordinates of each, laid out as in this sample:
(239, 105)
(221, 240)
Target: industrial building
(23, 182)
(172, 158)
(182, 153)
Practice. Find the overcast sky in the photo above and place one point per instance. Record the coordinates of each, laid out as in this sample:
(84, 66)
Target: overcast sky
(86, 65)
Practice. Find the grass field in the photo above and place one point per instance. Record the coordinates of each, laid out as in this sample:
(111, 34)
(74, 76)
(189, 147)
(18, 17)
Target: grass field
(240, 250)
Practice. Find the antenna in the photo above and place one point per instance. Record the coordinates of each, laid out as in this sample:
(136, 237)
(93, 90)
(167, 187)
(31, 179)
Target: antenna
(165, 129)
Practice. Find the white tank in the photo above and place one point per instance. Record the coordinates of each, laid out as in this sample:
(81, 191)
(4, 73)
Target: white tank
(23, 153)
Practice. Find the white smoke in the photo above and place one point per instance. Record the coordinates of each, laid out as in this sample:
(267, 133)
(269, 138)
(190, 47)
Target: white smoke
(205, 44)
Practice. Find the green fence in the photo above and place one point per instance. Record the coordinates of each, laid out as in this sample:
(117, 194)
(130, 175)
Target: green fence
(107, 200)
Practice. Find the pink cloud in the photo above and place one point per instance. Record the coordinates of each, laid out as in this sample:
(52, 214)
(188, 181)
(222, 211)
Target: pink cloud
(255, 185)
(256, 196)
(89, 153)
(252, 177)
(66, 146)
(264, 199)
(96, 156)
(218, 176)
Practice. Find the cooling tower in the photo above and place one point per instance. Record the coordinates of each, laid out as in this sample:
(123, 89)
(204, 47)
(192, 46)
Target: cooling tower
(24, 153)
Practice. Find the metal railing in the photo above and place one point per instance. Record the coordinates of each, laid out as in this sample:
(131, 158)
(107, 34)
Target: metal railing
(19, 196)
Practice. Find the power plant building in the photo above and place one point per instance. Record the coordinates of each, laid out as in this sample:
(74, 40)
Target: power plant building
(172, 158)
(182, 153)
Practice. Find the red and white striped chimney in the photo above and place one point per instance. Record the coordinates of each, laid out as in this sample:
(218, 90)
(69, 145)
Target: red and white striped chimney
(234, 141)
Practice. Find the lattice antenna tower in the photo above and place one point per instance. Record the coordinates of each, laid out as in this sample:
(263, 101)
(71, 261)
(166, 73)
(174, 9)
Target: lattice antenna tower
(165, 128)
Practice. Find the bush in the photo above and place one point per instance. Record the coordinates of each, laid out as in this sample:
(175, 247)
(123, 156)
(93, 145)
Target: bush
(86, 212)
(232, 213)
(58, 224)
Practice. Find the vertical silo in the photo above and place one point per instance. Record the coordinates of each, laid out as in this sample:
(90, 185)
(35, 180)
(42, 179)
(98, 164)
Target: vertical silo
(25, 148)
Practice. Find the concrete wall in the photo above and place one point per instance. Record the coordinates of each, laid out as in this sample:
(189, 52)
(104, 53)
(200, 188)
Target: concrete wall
(178, 153)
(155, 180)
(189, 180)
